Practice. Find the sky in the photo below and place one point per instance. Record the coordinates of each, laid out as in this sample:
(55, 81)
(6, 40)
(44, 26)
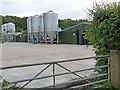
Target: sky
(73, 9)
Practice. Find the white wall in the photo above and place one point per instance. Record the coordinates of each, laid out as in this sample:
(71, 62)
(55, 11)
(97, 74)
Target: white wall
(11, 27)
(8, 27)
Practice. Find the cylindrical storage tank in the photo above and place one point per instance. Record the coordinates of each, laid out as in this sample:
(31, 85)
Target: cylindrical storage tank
(51, 21)
(29, 25)
(41, 33)
(51, 25)
(35, 23)
(45, 26)
(41, 23)
(11, 27)
(35, 26)
(29, 29)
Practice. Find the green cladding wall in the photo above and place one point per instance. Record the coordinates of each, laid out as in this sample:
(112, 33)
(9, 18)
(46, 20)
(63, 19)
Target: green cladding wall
(73, 35)
(68, 37)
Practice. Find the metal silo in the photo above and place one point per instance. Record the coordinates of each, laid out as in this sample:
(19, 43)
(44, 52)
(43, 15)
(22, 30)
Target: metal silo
(41, 27)
(35, 25)
(51, 26)
(41, 23)
(29, 25)
(29, 29)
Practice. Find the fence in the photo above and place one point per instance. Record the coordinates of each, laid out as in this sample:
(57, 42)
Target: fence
(80, 82)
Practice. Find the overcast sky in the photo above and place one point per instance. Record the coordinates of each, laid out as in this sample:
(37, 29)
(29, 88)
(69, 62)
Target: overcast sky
(74, 9)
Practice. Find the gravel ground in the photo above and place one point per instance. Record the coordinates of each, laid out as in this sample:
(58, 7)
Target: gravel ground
(27, 53)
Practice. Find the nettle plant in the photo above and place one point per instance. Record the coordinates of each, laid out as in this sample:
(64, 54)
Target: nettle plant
(5, 85)
(104, 30)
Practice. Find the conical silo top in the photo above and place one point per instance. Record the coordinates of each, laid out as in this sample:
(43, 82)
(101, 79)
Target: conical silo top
(51, 11)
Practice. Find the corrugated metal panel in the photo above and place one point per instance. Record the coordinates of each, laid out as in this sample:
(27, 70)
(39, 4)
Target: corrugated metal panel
(73, 34)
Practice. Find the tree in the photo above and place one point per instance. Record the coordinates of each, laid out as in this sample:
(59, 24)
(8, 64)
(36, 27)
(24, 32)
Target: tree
(20, 23)
(104, 30)
(65, 23)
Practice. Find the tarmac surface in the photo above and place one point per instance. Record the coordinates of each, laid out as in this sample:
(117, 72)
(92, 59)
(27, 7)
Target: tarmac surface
(28, 53)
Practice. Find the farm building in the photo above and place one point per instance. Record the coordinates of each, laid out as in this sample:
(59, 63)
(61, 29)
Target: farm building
(73, 34)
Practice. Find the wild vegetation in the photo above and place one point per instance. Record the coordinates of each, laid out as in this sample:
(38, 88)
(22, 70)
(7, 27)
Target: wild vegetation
(104, 30)
(21, 23)
(65, 23)
(5, 85)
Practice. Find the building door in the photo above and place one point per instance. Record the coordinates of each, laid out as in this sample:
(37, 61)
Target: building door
(78, 37)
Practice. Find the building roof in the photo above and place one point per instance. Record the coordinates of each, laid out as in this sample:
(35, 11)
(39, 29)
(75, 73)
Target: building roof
(74, 26)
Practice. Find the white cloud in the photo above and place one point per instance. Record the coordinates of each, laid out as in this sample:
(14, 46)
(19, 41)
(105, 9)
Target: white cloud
(65, 8)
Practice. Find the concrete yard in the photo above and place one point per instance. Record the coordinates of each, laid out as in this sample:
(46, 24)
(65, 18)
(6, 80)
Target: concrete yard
(28, 53)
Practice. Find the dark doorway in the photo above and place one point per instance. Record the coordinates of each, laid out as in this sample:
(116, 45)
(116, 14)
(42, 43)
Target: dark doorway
(78, 37)
(83, 41)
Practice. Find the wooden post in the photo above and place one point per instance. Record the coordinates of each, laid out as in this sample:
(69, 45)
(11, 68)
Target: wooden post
(115, 68)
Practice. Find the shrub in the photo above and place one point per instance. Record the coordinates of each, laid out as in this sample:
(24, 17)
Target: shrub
(104, 30)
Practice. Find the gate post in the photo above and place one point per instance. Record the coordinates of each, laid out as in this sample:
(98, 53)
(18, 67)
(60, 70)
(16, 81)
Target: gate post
(115, 68)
